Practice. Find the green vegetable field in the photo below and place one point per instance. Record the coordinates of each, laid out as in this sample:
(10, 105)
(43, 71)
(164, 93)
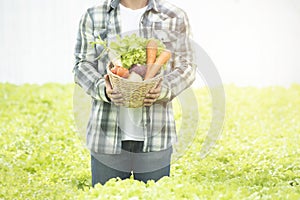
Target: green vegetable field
(257, 156)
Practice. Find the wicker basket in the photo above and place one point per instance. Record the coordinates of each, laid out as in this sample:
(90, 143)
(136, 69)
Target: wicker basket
(133, 92)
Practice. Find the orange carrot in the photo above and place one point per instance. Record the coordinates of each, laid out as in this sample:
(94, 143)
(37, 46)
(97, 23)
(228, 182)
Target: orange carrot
(159, 62)
(151, 51)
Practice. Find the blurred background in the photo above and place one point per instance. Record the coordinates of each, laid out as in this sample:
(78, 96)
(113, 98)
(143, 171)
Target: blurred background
(251, 42)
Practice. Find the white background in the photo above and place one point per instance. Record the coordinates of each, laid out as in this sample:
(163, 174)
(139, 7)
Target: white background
(251, 42)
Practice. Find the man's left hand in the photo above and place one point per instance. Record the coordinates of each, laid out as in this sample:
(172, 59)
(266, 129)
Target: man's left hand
(153, 95)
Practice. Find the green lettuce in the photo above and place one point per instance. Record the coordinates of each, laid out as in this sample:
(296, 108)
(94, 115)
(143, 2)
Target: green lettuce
(130, 49)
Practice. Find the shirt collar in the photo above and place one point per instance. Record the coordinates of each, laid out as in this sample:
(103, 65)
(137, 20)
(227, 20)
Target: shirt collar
(113, 4)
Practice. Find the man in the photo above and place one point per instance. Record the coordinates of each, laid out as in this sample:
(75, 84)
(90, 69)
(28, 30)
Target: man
(123, 140)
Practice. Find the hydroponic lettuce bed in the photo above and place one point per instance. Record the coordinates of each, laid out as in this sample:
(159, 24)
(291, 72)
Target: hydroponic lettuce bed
(257, 157)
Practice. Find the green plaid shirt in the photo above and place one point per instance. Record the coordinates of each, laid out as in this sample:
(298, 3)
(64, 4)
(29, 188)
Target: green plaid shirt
(161, 20)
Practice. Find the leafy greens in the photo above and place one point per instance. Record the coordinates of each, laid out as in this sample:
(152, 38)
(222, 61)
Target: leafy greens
(131, 49)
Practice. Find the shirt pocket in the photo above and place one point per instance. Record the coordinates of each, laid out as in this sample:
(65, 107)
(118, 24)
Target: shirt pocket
(169, 38)
(102, 33)
(103, 59)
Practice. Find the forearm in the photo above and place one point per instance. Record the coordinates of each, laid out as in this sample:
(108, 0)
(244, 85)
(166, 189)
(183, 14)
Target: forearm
(90, 81)
(177, 81)
(86, 73)
(182, 72)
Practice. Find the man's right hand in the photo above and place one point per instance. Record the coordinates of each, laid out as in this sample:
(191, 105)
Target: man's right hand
(113, 96)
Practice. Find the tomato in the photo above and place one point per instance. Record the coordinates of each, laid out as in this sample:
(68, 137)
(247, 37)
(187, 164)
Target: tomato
(123, 72)
(114, 69)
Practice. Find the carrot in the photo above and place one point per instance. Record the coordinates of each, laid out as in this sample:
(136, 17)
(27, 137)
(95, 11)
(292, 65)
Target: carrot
(123, 72)
(151, 51)
(159, 62)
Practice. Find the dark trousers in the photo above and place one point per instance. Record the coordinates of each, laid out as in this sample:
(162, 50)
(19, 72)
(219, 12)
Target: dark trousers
(144, 166)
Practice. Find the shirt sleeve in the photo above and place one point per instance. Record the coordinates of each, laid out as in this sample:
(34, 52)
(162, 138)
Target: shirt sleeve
(183, 70)
(85, 70)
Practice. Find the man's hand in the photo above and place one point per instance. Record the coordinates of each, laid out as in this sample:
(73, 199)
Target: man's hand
(153, 95)
(113, 96)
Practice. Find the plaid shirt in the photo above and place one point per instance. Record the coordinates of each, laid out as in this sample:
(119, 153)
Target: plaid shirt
(161, 20)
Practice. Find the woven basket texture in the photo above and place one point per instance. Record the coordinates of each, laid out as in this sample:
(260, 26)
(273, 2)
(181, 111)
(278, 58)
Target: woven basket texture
(133, 92)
